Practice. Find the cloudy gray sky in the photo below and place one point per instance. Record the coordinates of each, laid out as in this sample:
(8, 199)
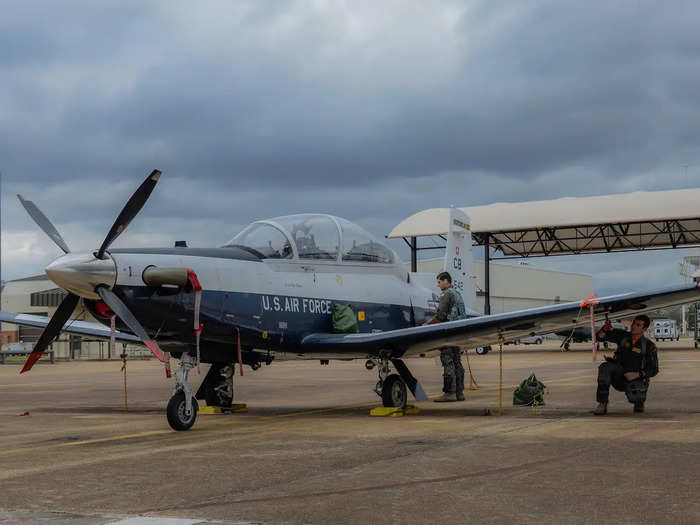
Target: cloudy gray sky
(367, 110)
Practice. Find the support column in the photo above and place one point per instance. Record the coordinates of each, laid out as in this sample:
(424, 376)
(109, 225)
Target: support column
(487, 278)
(414, 254)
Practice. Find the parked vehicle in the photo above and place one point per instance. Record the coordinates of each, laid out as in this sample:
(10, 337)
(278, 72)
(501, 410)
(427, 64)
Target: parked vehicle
(582, 334)
(665, 329)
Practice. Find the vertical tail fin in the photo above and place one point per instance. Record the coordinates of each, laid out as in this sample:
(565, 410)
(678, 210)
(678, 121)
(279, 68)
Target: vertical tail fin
(459, 259)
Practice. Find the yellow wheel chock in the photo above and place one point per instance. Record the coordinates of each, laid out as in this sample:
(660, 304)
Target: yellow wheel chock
(409, 410)
(236, 408)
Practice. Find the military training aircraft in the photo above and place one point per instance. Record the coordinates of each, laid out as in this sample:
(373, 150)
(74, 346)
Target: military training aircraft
(270, 294)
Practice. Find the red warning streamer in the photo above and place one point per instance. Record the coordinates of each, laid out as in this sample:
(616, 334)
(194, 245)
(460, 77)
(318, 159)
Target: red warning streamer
(240, 356)
(198, 327)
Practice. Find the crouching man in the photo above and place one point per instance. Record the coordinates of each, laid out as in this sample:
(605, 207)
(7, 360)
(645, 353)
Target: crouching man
(629, 370)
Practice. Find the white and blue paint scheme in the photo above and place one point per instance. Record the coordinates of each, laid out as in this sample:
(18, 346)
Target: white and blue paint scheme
(275, 285)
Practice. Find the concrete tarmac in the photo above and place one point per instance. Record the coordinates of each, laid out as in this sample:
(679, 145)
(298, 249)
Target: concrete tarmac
(308, 451)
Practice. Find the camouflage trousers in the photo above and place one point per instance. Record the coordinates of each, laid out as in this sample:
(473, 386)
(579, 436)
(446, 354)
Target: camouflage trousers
(453, 371)
(612, 374)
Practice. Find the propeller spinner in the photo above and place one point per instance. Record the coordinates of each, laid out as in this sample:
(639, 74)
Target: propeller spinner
(89, 275)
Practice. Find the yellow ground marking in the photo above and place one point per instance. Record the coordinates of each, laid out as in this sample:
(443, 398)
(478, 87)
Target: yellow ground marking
(114, 438)
(578, 375)
(12, 385)
(101, 416)
(253, 432)
(234, 420)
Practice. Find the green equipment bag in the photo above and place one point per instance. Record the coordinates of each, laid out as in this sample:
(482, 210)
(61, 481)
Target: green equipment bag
(344, 319)
(530, 392)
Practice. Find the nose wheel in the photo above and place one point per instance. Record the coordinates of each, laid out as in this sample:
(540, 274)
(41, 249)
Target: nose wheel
(179, 416)
(182, 407)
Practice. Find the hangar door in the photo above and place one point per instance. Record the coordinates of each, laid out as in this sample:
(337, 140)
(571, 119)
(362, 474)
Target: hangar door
(29, 334)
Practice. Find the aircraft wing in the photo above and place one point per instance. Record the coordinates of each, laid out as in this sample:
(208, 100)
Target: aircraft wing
(487, 329)
(84, 328)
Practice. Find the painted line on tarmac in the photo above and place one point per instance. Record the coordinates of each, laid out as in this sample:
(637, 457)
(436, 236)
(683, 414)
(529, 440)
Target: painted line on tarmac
(252, 419)
(114, 438)
(621, 418)
(499, 471)
(8, 452)
(253, 432)
(156, 521)
(223, 498)
(431, 395)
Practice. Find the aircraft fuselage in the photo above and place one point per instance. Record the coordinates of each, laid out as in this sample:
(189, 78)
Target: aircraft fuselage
(274, 303)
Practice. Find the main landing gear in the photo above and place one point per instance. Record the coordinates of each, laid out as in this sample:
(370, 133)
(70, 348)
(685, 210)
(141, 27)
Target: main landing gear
(182, 407)
(217, 387)
(393, 387)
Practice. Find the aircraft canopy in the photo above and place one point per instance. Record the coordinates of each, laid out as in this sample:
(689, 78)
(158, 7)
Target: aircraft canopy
(313, 236)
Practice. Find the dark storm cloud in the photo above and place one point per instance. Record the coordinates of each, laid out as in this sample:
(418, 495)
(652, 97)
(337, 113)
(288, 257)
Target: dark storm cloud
(515, 89)
(364, 110)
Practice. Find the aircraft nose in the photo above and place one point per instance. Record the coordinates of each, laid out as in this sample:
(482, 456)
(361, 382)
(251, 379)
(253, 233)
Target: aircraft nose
(80, 273)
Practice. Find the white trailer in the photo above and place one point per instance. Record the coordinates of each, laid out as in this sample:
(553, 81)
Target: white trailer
(665, 329)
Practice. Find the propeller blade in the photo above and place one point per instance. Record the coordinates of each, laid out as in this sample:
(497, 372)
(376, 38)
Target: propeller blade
(62, 314)
(121, 310)
(44, 223)
(131, 208)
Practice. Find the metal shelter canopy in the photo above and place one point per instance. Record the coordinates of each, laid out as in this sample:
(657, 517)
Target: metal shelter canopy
(610, 223)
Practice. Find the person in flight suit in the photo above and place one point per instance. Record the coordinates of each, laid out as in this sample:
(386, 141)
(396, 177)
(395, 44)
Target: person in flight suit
(630, 368)
(450, 308)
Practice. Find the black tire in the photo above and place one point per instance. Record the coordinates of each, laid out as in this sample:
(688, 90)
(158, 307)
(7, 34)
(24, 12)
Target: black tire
(538, 341)
(394, 392)
(177, 418)
(480, 350)
(566, 346)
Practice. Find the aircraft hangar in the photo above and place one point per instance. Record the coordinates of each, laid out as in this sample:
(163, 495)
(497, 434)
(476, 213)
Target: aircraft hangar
(637, 221)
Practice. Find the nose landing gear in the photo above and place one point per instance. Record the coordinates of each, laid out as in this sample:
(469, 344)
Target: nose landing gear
(182, 407)
(179, 416)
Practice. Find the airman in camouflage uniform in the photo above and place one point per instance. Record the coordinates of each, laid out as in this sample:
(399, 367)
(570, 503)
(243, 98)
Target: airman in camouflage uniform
(450, 308)
(629, 370)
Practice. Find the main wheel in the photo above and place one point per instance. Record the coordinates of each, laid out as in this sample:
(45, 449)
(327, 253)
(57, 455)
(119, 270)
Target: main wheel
(177, 414)
(538, 341)
(483, 350)
(394, 392)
